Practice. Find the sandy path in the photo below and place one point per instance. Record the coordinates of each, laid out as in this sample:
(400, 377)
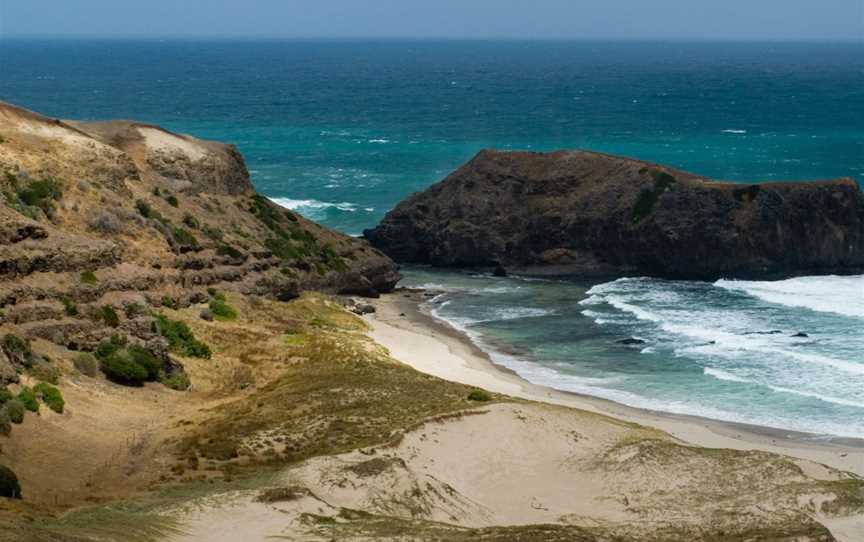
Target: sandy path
(430, 346)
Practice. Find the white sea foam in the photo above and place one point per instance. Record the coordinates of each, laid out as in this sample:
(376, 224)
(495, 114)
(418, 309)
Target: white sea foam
(734, 131)
(723, 375)
(301, 205)
(835, 294)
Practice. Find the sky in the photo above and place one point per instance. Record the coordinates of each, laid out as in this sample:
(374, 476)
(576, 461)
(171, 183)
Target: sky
(832, 20)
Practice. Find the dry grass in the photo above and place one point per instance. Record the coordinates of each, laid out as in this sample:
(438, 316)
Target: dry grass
(336, 391)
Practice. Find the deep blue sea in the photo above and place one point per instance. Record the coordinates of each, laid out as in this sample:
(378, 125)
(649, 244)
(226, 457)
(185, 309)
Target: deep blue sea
(342, 131)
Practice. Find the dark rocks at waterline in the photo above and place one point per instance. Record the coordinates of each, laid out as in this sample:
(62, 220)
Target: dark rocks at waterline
(801, 335)
(591, 214)
(630, 341)
(772, 332)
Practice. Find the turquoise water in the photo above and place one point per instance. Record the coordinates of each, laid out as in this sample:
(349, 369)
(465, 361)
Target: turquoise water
(341, 131)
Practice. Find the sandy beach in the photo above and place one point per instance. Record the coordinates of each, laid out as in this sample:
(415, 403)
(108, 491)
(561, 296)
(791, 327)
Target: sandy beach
(430, 345)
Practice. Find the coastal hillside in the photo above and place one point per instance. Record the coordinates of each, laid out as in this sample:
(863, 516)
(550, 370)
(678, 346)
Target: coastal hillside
(103, 223)
(591, 214)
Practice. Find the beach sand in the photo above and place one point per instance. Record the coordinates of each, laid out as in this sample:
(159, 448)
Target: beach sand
(548, 458)
(430, 345)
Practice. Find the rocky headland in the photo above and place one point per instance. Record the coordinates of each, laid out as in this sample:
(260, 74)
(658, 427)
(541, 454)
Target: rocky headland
(591, 214)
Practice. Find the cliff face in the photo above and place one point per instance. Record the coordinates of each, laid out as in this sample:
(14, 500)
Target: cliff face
(585, 213)
(130, 217)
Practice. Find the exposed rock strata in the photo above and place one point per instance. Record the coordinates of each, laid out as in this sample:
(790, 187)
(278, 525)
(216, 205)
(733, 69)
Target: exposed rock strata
(585, 213)
(130, 216)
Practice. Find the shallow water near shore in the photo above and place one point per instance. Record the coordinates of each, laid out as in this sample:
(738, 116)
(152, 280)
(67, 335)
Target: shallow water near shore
(738, 351)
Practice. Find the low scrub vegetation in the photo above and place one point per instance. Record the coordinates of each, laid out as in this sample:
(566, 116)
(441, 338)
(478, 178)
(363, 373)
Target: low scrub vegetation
(180, 338)
(221, 310)
(51, 396)
(86, 364)
(89, 277)
(648, 198)
(125, 363)
(28, 398)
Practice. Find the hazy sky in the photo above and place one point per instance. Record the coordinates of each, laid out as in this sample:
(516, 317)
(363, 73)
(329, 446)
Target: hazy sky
(655, 19)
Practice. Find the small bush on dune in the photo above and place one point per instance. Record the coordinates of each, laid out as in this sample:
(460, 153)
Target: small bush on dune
(479, 396)
(5, 396)
(86, 364)
(16, 410)
(172, 200)
(28, 399)
(51, 396)
(9, 486)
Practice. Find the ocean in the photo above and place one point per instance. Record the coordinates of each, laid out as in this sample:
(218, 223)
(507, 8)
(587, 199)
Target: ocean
(342, 131)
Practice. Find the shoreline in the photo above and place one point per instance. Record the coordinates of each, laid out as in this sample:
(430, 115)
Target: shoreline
(430, 345)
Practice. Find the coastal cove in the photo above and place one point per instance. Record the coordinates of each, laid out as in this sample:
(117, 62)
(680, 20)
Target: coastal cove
(404, 324)
(728, 350)
(419, 290)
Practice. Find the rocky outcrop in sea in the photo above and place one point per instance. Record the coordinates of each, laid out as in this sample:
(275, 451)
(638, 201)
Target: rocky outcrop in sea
(592, 214)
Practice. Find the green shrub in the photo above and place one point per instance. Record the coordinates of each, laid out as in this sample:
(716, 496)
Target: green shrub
(181, 339)
(108, 316)
(9, 486)
(16, 410)
(70, 307)
(51, 396)
(221, 310)
(5, 396)
(89, 277)
(119, 367)
(177, 380)
(191, 221)
(183, 237)
(213, 233)
(168, 302)
(45, 372)
(143, 357)
(86, 364)
(125, 363)
(16, 346)
(172, 200)
(41, 194)
(144, 208)
(28, 399)
(480, 396)
(648, 198)
(112, 345)
(229, 251)
(5, 422)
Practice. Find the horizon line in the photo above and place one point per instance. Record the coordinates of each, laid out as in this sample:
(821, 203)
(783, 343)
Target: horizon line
(368, 38)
